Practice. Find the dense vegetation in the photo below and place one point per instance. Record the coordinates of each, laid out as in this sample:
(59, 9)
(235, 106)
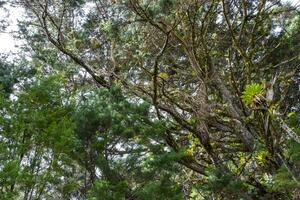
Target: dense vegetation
(142, 99)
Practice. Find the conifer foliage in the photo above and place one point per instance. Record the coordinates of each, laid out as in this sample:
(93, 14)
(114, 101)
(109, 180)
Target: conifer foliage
(162, 99)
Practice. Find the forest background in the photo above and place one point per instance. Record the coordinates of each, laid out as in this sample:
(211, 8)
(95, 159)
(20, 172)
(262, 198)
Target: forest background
(140, 99)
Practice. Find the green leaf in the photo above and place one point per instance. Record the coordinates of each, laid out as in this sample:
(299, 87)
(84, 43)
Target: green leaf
(250, 91)
(163, 75)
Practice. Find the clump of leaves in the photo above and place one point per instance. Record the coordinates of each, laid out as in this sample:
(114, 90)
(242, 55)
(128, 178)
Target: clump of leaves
(166, 188)
(103, 189)
(293, 25)
(166, 5)
(220, 180)
(251, 91)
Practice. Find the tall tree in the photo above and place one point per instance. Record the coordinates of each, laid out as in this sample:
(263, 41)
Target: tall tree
(220, 78)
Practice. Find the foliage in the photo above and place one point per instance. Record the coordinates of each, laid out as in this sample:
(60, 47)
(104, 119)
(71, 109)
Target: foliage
(151, 100)
(250, 91)
(219, 182)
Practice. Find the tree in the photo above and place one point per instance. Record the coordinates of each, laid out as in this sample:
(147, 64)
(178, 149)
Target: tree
(221, 76)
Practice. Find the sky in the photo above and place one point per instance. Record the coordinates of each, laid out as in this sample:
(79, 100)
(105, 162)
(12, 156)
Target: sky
(9, 44)
(7, 41)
